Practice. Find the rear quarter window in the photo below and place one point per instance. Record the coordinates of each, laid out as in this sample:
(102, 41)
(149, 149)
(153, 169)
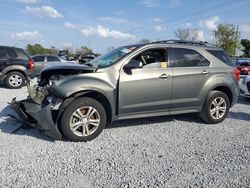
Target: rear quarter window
(221, 55)
(21, 54)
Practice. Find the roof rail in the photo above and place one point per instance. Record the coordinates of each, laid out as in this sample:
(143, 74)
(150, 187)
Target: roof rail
(184, 42)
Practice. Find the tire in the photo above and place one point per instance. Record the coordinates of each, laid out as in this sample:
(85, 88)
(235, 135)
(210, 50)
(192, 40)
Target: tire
(15, 80)
(77, 126)
(212, 114)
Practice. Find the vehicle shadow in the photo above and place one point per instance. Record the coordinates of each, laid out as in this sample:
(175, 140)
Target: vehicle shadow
(243, 100)
(240, 116)
(9, 122)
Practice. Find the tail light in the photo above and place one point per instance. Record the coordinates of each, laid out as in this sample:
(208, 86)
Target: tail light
(237, 74)
(31, 64)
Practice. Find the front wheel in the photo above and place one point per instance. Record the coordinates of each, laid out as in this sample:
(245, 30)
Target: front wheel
(83, 120)
(216, 107)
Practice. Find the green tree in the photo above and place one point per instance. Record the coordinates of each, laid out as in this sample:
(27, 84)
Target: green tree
(246, 44)
(39, 49)
(85, 49)
(227, 38)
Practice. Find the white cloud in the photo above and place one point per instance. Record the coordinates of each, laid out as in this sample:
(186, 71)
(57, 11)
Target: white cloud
(28, 1)
(114, 20)
(160, 28)
(27, 35)
(245, 30)
(186, 25)
(44, 11)
(158, 20)
(210, 23)
(105, 32)
(200, 35)
(69, 25)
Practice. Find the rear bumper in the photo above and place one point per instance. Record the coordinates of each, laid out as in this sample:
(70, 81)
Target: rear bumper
(37, 116)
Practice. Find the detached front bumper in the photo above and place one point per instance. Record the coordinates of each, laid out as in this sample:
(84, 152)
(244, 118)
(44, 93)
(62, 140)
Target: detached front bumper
(37, 115)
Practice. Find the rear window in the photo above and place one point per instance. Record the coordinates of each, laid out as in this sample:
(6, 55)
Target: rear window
(221, 55)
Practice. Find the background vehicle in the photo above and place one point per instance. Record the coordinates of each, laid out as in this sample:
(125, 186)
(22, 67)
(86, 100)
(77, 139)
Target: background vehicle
(42, 61)
(245, 86)
(243, 64)
(15, 66)
(134, 81)
(83, 59)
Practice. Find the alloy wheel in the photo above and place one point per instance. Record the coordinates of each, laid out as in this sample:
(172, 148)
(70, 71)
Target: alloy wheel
(84, 121)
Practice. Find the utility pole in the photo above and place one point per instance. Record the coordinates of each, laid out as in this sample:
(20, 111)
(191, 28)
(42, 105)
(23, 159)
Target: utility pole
(236, 39)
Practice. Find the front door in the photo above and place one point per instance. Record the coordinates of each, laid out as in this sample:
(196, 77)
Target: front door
(148, 89)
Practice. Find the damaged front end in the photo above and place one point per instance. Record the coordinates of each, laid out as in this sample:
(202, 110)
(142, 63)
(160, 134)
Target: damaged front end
(37, 110)
(42, 109)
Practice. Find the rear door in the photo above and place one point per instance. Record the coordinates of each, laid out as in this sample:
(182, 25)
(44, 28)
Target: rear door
(191, 70)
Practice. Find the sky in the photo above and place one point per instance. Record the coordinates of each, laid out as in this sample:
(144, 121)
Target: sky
(104, 24)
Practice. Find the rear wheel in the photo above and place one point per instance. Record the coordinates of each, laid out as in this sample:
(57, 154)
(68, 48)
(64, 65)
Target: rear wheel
(15, 80)
(216, 107)
(83, 120)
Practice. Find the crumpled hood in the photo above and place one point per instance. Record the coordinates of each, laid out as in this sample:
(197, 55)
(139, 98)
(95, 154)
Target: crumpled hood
(63, 69)
(67, 66)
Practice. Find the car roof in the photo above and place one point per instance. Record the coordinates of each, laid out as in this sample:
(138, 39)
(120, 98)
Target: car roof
(45, 55)
(183, 43)
(12, 47)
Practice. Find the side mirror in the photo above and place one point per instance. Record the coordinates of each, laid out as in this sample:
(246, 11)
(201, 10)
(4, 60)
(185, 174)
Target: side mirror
(133, 64)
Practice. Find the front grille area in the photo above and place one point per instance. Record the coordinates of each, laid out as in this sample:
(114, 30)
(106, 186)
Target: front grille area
(248, 86)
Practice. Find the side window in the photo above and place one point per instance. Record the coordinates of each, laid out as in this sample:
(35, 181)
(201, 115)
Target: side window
(12, 54)
(38, 59)
(21, 54)
(181, 57)
(3, 53)
(52, 58)
(153, 58)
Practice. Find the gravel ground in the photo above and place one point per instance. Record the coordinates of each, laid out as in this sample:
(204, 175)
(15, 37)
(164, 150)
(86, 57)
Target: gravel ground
(172, 151)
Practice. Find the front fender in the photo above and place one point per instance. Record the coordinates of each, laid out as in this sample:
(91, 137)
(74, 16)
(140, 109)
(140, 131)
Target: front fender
(75, 84)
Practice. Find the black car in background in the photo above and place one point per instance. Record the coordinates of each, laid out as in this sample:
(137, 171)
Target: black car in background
(15, 66)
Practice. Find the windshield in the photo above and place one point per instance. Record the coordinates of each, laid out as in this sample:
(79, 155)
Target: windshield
(113, 56)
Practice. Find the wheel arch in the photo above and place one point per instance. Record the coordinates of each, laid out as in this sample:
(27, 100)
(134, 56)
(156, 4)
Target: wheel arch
(100, 97)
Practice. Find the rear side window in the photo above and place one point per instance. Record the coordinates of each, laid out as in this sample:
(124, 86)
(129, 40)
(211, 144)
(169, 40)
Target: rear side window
(12, 54)
(181, 57)
(21, 54)
(221, 55)
(38, 58)
(52, 58)
(3, 53)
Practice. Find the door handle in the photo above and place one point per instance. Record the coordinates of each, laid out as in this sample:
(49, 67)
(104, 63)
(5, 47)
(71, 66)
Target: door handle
(205, 72)
(164, 76)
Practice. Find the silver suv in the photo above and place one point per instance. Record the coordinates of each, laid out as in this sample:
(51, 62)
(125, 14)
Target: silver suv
(133, 81)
